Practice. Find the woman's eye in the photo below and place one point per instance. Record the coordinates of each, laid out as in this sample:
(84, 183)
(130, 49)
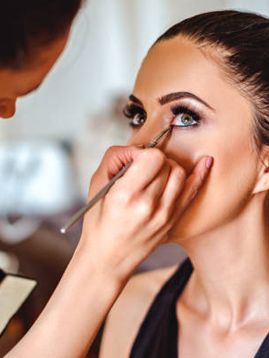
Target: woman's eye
(184, 117)
(137, 120)
(136, 116)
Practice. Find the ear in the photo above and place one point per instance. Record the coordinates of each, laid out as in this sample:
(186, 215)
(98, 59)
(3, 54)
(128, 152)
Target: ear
(262, 183)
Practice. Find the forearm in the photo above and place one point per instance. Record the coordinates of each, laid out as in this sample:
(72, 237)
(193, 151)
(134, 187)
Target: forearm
(70, 321)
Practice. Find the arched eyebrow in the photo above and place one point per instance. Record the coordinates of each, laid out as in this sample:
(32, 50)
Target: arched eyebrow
(135, 100)
(173, 97)
(178, 95)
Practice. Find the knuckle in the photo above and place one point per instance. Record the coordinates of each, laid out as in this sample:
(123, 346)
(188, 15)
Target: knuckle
(134, 148)
(164, 219)
(145, 209)
(121, 197)
(158, 155)
(154, 154)
(112, 150)
(180, 172)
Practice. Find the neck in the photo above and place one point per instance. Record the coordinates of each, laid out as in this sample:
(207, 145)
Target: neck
(231, 268)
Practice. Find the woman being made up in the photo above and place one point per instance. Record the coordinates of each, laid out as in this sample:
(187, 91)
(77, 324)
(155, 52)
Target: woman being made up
(33, 34)
(210, 71)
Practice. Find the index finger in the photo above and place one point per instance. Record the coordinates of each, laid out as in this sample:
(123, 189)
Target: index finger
(193, 183)
(144, 169)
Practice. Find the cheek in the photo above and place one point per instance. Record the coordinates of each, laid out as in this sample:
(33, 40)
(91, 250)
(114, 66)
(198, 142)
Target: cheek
(226, 189)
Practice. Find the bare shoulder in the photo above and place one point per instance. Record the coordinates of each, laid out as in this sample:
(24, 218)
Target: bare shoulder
(129, 310)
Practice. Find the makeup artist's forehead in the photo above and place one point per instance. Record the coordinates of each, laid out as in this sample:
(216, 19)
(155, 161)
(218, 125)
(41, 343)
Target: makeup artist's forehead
(179, 65)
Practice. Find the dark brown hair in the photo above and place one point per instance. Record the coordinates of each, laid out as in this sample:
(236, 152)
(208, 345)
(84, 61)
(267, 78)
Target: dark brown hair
(244, 37)
(29, 24)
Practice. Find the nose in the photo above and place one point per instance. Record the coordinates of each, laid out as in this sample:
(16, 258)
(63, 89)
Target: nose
(145, 134)
(156, 140)
(7, 109)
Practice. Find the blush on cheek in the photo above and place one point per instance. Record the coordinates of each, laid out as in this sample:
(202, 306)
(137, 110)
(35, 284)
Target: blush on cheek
(222, 197)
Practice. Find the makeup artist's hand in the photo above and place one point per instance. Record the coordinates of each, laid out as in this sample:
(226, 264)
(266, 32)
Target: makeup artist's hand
(141, 207)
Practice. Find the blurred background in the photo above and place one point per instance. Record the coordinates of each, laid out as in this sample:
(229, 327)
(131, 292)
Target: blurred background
(50, 149)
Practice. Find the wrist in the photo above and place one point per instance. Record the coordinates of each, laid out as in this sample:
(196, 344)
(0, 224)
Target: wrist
(103, 269)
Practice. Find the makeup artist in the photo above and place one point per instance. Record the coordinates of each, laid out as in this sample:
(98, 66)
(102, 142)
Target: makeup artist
(122, 229)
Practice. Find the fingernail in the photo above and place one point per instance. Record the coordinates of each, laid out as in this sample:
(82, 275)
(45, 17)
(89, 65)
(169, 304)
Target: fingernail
(209, 162)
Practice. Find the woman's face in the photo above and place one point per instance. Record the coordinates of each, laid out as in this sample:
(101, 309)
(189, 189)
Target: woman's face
(178, 84)
(18, 83)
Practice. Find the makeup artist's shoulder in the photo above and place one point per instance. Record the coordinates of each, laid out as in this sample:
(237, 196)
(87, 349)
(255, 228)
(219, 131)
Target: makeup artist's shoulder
(129, 310)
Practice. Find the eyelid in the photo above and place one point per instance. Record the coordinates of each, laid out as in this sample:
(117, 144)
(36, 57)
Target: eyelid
(190, 106)
(132, 107)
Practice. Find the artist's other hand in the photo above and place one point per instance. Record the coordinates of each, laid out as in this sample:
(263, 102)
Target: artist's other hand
(123, 228)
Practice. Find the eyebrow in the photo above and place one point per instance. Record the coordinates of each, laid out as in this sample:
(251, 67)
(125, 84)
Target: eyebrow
(135, 100)
(173, 97)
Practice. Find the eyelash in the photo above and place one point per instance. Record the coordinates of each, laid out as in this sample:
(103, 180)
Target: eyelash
(131, 111)
(180, 109)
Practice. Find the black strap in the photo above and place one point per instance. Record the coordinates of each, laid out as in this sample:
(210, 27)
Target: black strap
(2, 275)
(263, 351)
(157, 335)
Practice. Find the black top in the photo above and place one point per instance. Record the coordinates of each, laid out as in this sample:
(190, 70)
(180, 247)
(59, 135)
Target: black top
(2, 275)
(158, 334)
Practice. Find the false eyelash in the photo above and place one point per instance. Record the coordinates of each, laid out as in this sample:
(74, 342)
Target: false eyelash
(176, 110)
(131, 110)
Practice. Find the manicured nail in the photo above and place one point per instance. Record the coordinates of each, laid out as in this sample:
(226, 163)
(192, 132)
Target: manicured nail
(209, 162)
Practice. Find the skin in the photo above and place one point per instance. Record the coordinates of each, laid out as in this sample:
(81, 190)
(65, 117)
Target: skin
(225, 229)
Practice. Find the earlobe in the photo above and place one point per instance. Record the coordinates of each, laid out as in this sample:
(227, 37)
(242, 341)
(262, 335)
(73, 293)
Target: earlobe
(262, 182)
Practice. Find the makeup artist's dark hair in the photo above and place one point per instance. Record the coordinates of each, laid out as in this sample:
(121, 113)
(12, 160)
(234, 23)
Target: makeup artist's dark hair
(27, 25)
(243, 42)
